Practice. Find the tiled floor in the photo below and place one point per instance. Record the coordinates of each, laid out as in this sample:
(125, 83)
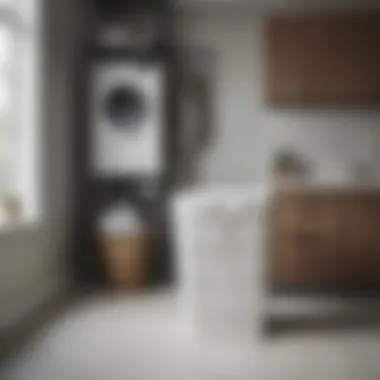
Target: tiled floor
(112, 338)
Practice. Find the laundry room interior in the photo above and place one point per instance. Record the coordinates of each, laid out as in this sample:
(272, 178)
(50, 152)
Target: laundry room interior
(191, 183)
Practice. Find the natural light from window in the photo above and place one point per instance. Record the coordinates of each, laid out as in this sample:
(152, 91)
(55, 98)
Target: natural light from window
(18, 105)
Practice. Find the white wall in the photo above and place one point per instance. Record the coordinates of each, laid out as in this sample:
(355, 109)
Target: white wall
(246, 132)
(33, 258)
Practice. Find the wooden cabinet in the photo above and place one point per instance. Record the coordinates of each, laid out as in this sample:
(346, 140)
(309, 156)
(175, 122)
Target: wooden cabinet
(320, 60)
(321, 240)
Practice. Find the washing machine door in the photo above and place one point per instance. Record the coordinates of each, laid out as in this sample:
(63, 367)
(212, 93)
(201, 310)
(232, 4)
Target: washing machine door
(125, 108)
(127, 117)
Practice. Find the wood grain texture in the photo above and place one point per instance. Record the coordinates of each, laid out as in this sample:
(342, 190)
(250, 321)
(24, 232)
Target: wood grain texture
(325, 240)
(323, 59)
(127, 260)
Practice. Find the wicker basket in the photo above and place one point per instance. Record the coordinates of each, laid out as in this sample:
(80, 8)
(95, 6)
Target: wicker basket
(126, 260)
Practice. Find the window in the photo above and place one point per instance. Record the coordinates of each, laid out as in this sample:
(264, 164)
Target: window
(7, 130)
(18, 104)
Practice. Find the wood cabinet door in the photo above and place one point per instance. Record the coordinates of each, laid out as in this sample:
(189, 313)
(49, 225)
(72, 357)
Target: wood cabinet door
(322, 60)
(326, 241)
(304, 241)
(359, 245)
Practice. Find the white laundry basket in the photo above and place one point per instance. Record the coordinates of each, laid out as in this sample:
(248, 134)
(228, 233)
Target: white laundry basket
(220, 253)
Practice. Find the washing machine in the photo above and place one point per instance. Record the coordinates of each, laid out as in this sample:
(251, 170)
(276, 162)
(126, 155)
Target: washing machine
(127, 118)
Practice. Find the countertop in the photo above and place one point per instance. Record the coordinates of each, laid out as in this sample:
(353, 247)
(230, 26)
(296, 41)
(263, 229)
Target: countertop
(260, 192)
